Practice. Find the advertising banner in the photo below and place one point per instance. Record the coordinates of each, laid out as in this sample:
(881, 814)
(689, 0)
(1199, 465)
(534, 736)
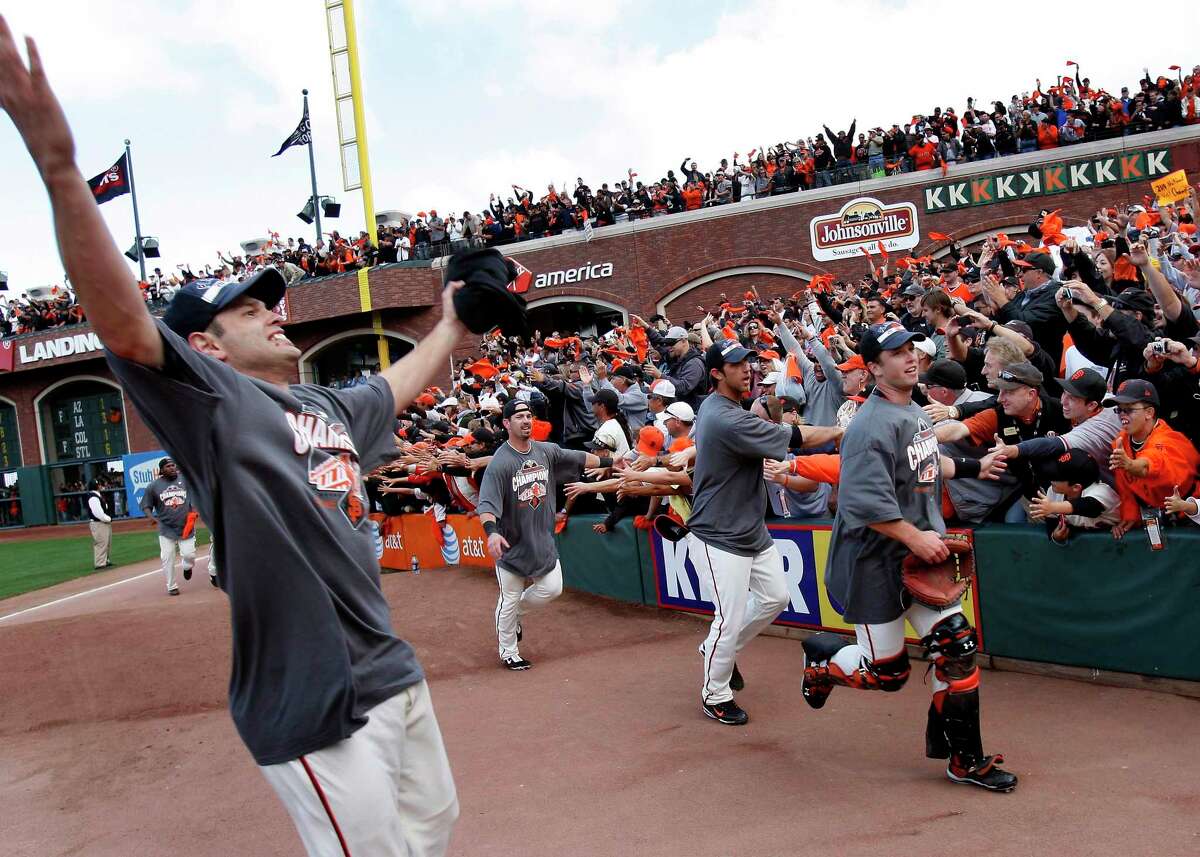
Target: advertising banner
(864, 224)
(804, 549)
(459, 541)
(141, 468)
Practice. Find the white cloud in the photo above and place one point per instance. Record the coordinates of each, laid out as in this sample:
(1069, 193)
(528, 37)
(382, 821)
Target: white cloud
(466, 97)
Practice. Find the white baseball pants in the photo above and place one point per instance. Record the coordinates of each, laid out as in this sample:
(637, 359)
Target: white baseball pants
(886, 640)
(386, 791)
(166, 553)
(748, 593)
(516, 599)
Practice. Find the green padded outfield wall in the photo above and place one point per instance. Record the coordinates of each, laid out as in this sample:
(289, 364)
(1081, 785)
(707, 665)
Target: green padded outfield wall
(1097, 603)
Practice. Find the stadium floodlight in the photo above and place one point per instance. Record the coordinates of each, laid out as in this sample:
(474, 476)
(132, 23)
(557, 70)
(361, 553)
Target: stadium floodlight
(330, 207)
(308, 212)
(149, 249)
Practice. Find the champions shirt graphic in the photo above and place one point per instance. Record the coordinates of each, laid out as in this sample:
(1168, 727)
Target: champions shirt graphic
(923, 457)
(174, 496)
(332, 461)
(529, 484)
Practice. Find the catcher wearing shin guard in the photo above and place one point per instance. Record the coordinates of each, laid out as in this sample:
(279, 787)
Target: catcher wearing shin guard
(890, 560)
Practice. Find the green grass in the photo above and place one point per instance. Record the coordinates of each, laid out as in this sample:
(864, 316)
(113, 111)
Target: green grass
(29, 565)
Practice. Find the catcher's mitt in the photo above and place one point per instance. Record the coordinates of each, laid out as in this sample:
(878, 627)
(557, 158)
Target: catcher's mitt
(942, 584)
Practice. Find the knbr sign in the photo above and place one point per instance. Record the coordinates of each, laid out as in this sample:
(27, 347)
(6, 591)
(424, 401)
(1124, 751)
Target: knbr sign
(804, 549)
(1049, 179)
(862, 224)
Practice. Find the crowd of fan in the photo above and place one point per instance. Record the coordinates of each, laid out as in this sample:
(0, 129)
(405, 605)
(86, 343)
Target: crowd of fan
(1072, 358)
(1070, 111)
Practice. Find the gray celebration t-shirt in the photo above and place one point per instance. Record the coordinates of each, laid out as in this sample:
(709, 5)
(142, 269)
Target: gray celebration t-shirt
(729, 496)
(890, 470)
(519, 489)
(167, 500)
(277, 474)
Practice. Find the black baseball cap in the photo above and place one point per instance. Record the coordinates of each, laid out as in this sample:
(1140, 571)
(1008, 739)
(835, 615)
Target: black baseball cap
(946, 373)
(885, 336)
(195, 305)
(515, 406)
(725, 351)
(607, 398)
(163, 462)
(1075, 468)
(1023, 374)
(1133, 391)
(1087, 384)
(628, 370)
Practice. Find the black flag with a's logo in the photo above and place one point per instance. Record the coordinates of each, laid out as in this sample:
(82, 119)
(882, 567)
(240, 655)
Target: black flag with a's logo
(112, 182)
(299, 137)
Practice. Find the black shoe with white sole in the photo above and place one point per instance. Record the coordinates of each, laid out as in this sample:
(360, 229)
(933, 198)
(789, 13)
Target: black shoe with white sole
(515, 663)
(729, 713)
(986, 775)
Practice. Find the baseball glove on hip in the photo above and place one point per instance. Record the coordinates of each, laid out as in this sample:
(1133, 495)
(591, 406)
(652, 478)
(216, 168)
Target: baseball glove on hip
(943, 584)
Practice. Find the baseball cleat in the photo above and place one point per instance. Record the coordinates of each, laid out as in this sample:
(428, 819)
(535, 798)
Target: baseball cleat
(729, 713)
(187, 573)
(515, 664)
(212, 578)
(815, 684)
(172, 592)
(986, 775)
(736, 682)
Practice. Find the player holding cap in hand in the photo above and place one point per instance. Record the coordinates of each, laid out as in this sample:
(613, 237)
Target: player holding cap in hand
(729, 544)
(889, 506)
(516, 508)
(333, 705)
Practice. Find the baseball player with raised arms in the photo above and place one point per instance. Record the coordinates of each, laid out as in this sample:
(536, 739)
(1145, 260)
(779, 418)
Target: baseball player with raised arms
(516, 508)
(728, 542)
(330, 702)
(166, 502)
(889, 506)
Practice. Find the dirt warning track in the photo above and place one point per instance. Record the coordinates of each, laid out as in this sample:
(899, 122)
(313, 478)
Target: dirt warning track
(116, 741)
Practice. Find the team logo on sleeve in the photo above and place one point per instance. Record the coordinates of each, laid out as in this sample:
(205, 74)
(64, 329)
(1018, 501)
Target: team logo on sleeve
(332, 461)
(529, 483)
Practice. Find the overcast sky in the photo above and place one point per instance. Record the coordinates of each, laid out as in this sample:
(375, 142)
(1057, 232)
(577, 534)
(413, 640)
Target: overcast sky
(466, 97)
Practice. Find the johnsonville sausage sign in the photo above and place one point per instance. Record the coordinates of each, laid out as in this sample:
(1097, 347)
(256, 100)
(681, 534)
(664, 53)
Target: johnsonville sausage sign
(1048, 179)
(862, 224)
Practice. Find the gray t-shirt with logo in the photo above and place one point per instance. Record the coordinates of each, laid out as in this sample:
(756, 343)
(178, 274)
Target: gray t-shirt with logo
(890, 470)
(519, 489)
(167, 500)
(729, 496)
(277, 473)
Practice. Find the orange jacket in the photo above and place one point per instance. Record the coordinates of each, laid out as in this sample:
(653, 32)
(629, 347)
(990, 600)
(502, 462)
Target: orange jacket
(924, 156)
(1173, 461)
(1047, 136)
(692, 199)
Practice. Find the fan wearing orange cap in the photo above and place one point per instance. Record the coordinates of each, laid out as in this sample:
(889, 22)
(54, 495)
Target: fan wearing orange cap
(516, 508)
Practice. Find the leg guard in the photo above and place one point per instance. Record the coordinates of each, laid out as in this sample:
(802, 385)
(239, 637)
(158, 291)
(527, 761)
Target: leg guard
(952, 645)
(821, 674)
